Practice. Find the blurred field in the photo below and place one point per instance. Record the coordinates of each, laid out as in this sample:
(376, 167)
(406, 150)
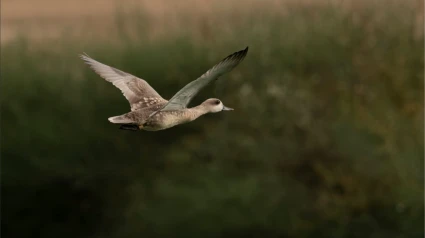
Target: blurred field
(326, 139)
(50, 19)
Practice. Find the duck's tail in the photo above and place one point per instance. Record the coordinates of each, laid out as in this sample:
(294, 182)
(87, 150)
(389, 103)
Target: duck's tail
(126, 122)
(123, 119)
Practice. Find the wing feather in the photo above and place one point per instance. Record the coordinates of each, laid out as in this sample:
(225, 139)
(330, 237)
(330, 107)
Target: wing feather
(182, 98)
(137, 91)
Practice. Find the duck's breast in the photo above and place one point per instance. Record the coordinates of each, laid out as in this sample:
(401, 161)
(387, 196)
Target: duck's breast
(167, 119)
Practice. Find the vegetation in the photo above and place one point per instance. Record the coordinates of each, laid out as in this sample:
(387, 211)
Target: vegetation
(326, 139)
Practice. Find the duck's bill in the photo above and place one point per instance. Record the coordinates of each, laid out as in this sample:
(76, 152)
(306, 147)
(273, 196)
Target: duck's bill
(227, 108)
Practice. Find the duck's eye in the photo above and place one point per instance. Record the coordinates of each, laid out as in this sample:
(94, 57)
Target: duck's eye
(217, 102)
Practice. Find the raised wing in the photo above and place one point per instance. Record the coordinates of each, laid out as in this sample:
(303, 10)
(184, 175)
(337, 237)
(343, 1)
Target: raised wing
(182, 98)
(137, 91)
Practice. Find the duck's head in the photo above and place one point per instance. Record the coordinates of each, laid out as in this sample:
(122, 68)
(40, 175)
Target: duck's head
(214, 105)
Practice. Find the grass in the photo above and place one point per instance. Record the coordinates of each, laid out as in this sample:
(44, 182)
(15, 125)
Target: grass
(326, 139)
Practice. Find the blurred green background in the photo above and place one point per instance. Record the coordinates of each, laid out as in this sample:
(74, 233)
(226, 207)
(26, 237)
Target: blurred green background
(326, 139)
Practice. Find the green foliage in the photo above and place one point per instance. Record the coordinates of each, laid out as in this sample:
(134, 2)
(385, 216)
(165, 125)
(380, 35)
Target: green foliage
(326, 139)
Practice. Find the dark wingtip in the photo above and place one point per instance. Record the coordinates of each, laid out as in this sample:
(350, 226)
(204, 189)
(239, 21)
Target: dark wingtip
(243, 52)
(240, 54)
(237, 56)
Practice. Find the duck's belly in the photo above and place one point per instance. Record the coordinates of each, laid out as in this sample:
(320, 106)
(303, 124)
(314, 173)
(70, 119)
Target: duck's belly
(165, 120)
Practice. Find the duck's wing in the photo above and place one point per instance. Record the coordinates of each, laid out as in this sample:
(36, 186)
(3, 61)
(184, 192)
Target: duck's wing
(137, 91)
(182, 98)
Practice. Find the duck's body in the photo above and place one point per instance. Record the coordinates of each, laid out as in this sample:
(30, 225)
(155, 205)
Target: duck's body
(149, 111)
(165, 120)
(162, 120)
(141, 119)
